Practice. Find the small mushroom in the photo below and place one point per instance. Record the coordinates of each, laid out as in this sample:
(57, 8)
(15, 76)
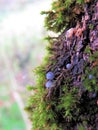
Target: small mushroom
(50, 75)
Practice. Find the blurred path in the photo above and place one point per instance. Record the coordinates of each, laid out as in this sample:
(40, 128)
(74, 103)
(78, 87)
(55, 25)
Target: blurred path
(14, 86)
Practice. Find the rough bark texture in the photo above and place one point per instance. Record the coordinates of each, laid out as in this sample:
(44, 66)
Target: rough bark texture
(70, 100)
(71, 48)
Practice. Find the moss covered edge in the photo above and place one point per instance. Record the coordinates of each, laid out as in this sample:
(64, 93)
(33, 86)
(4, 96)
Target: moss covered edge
(62, 108)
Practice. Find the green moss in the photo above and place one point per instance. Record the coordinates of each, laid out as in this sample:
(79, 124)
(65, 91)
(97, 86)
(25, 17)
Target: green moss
(81, 127)
(67, 103)
(91, 70)
(91, 26)
(62, 14)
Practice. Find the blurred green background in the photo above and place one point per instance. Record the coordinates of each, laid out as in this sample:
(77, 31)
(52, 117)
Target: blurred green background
(22, 48)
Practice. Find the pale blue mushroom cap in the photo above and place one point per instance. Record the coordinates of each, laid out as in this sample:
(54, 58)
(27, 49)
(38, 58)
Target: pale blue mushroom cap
(49, 84)
(90, 76)
(68, 66)
(50, 75)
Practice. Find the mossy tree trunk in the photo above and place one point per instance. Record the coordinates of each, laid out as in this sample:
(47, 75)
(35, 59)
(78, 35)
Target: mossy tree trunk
(66, 93)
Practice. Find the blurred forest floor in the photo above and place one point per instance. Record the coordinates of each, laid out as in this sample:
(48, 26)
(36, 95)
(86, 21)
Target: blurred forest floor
(16, 73)
(22, 48)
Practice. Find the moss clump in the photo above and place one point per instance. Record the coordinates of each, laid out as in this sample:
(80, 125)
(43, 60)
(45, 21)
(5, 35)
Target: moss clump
(63, 14)
(71, 102)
